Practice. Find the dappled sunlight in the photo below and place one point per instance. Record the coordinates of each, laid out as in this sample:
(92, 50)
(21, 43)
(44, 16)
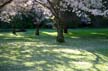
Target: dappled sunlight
(6, 35)
(42, 53)
(88, 33)
(50, 33)
(29, 64)
(1, 34)
(76, 54)
(46, 58)
(99, 33)
(82, 65)
(75, 37)
(67, 51)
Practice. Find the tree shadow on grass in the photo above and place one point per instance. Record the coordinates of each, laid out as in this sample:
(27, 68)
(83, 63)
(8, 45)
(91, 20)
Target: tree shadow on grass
(40, 58)
(44, 54)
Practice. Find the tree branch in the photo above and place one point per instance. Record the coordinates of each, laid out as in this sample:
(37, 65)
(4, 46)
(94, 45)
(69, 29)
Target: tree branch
(51, 8)
(42, 4)
(4, 4)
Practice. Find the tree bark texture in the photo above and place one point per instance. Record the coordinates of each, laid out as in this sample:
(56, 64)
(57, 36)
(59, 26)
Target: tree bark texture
(60, 36)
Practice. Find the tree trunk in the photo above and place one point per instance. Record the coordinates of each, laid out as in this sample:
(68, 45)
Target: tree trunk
(37, 29)
(60, 36)
(23, 28)
(65, 28)
(13, 29)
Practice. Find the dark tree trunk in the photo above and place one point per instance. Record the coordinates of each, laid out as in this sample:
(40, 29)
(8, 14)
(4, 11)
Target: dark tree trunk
(60, 36)
(13, 29)
(65, 28)
(37, 29)
(23, 28)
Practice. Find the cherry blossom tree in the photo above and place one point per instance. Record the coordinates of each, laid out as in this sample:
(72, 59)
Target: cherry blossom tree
(56, 7)
(11, 10)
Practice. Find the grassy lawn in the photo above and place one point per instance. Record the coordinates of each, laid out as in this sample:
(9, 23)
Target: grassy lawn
(84, 50)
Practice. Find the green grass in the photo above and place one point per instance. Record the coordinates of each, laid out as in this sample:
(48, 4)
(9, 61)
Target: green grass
(84, 50)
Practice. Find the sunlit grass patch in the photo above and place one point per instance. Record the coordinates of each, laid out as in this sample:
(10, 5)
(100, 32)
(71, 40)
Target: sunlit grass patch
(27, 52)
(50, 33)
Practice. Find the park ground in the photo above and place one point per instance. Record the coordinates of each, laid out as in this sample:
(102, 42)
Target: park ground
(84, 50)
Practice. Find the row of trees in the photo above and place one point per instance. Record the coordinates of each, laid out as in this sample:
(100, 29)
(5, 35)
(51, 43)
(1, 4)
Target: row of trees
(59, 7)
(56, 9)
